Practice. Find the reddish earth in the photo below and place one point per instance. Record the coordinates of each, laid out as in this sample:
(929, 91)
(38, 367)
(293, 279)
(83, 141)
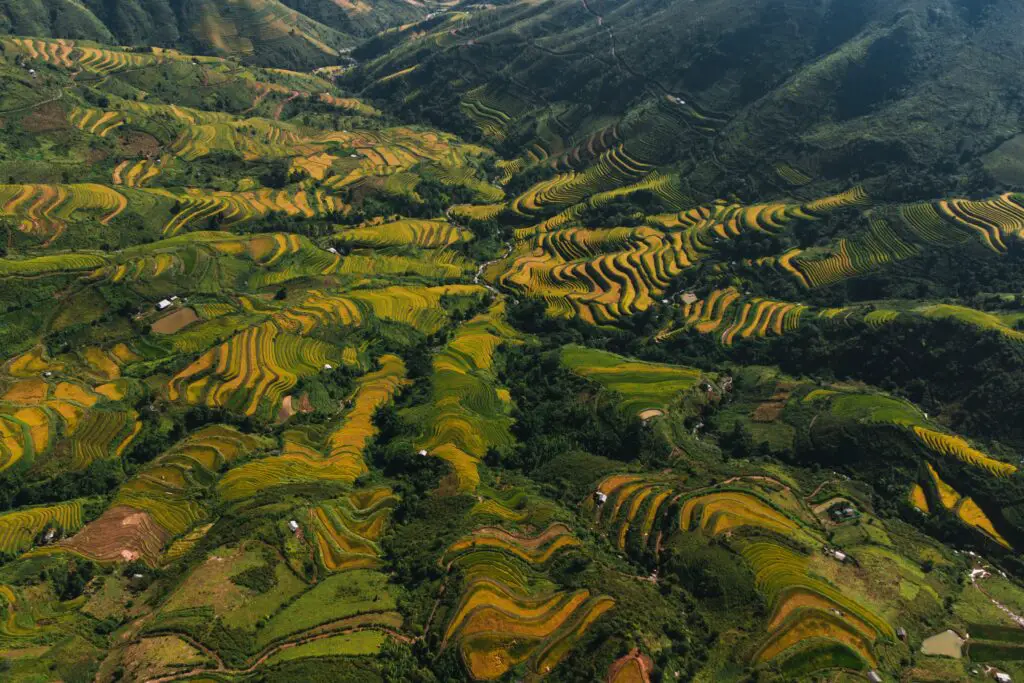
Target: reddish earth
(633, 668)
(121, 534)
(171, 323)
(137, 143)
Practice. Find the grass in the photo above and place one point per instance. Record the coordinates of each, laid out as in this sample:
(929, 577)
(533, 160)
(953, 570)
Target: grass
(643, 386)
(334, 598)
(360, 643)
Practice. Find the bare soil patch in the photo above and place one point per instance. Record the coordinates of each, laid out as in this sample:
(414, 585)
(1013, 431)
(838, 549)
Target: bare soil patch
(173, 322)
(945, 644)
(138, 143)
(121, 534)
(649, 413)
(49, 117)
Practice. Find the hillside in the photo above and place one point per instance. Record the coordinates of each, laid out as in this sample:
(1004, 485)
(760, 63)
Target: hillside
(565, 341)
(827, 87)
(268, 32)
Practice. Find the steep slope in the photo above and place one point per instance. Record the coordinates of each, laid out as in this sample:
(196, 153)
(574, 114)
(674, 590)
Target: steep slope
(298, 33)
(827, 86)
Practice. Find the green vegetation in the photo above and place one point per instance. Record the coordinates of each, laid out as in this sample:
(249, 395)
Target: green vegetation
(391, 341)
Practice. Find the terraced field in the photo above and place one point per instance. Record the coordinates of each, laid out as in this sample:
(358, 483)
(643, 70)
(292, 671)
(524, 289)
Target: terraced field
(18, 530)
(348, 530)
(469, 414)
(424, 234)
(647, 389)
(805, 609)
(603, 275)
(340, 458)
(44, 211)
(499, 622)
(253, 371)
(305, 389)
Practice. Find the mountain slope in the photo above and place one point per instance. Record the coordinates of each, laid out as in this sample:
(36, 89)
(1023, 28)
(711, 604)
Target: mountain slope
(828, 86)
(259, 31)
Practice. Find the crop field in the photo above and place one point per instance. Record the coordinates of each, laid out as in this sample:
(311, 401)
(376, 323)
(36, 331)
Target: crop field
(957, 447)
(253, 371)
(918, 498)
(120, 534)
(533, 550)
(18, 529)
(103, 434)
(973, 516)
(993, 221)
(879, 247)
(643, 386)
(497, 627)
(491, 112)
(434, 234)
(44, 211)
(602, 275)
(730, 317)
(719, 513)
(468, 414)
(166, 488)
(948, 496)
(96, 121)
(970, 316)
(782, 575)
(301, 461)
(348, 530)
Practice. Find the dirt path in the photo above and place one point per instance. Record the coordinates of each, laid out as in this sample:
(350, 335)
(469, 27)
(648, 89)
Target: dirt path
(816, 491)
(60, 95)
(280, 107)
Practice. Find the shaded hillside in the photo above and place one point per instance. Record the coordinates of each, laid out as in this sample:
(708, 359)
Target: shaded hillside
(266, 32)
(828, 87)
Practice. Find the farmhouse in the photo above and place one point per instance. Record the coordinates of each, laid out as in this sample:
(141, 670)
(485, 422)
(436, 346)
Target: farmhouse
(163, 304)
(293, 525)
(600, 497)
(874, 677)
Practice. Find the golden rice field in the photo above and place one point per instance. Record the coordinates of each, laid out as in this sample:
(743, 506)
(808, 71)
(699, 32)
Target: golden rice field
(533, 550)
(19, 528)
(347, 443)
(166, 487)
(70, 54)
(948, 496)
(918, 498)
(601, 275)
(302, 461)
(731, 317)
(721, 512)
(957, 447)
(993, 221)
(426, 234)
(45, 210)
(806, 607)
(643, 386)
(135, 173)
(973, 516)
(468, 414)
(496, 627)
(96, 121)
(347, 530)
(103, 434)
(878, 247)
(252, 371)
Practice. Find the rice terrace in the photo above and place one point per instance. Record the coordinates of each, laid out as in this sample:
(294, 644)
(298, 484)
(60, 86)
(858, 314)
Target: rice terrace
(578, 340)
